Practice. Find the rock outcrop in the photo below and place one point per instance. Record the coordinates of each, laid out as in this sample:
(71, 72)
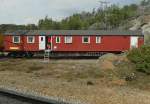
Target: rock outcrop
(142, 23)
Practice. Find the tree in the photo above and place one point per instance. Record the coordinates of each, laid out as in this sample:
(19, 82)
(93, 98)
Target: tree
(45, 24)
(144, 2)
(112, 17)
(31, 27)
(74, 22)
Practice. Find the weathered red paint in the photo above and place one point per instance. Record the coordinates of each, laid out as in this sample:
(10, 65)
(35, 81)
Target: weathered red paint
(108, 43)
(22, 46)
(111, 43)
(1, 48)
(140, 42)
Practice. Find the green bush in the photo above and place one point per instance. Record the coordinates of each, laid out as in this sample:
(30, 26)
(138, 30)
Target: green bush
(141, 58)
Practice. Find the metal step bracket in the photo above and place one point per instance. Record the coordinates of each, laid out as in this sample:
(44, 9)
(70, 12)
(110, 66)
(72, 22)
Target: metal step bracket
(47, 55)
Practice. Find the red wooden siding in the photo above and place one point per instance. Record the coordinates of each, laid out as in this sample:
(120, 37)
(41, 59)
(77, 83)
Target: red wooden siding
(31, 46)
(140, 42)
(108, 43)
(22, 46)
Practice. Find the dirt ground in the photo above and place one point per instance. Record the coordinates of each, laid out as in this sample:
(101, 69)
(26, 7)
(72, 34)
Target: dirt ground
(78, 81)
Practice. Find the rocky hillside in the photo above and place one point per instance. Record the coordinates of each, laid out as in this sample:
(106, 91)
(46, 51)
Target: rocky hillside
(142, 22)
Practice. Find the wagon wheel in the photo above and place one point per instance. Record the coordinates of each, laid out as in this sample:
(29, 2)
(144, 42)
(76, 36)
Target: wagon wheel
(28, 55)
(12, 55)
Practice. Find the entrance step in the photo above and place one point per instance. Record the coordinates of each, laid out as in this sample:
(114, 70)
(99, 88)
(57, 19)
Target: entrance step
(47, 55)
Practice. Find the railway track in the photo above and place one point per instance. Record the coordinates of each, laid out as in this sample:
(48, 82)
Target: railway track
(3, 58)
(57, 56)
(12, 97)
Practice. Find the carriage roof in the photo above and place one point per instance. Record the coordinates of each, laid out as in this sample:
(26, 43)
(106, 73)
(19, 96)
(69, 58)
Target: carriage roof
(75, 32)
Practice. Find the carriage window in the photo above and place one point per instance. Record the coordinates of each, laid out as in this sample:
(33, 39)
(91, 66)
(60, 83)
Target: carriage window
(30, 39)
(68, 39)
(85, 39)
(57, 39)
(42, 39)
(98, 39)
(16, 39)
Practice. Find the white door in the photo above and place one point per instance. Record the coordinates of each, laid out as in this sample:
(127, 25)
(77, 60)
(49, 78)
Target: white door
(134, 42)
(42, 43)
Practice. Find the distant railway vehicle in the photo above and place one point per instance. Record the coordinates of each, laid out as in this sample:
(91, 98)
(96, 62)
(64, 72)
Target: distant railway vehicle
(71, 42)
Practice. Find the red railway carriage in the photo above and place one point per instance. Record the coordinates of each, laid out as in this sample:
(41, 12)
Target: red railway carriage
(72, 41)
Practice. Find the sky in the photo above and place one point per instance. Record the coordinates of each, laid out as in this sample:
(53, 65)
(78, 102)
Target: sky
(30, 11)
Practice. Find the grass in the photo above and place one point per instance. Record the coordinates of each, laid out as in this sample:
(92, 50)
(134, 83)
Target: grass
(142, 82)
(77, 79)
(62, 69)
(34, 68)
(75, 70)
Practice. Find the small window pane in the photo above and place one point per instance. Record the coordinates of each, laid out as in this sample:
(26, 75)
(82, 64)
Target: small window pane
(57, 39)
(98, 39)
(42, 39)
(68, 39)
(86, 39)
(30, 39)
(16, 39)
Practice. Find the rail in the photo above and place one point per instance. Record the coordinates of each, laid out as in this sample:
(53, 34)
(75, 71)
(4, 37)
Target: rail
(13, 97)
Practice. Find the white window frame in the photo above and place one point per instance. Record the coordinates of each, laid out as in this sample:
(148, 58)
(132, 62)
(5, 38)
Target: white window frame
(14, 39)
(98, 39)
(59, 39)
(66, 39)
(88, 39)
(33, 39)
